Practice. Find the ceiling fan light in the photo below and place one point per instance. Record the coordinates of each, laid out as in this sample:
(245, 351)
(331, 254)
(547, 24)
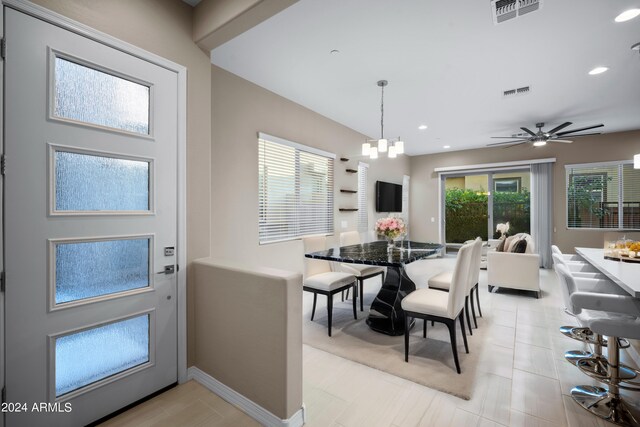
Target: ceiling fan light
(540, 143)
(392, 152)
(373, 154)
(399, 147)
(382, 145)
(636, 161)
(627, 15)
(598, 70)
(366, 149)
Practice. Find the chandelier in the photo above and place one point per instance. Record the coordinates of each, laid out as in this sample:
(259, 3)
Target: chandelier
(392, 146)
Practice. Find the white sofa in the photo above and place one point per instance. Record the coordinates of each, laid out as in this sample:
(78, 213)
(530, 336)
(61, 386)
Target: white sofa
(514, 270)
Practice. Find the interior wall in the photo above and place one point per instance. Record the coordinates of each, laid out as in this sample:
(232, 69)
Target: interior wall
(240, 110)
(164, 27)
(588, 149)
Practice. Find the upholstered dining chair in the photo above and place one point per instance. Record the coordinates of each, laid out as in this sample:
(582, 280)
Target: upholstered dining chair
(361, 271)
(443, 307)
(442, 282)
(320, 279)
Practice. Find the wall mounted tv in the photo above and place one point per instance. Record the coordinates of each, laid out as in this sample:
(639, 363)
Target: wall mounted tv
(388, 197)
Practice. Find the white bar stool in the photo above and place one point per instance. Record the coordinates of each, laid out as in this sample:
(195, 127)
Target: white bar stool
(620, 318)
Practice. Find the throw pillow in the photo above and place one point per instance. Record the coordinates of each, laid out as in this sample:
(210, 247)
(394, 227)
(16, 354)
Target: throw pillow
(500, 247)
(519, 247)
(509, 241)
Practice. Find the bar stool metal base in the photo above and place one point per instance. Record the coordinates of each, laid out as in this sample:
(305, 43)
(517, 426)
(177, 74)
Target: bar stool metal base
(586, 335)
(573, 356)
(580, 334)
(598, 369)
(601, 403)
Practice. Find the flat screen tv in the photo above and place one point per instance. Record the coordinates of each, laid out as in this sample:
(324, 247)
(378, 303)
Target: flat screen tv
(388, 197)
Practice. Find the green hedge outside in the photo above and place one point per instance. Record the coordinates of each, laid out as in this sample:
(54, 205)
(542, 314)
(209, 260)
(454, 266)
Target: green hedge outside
(467, 213)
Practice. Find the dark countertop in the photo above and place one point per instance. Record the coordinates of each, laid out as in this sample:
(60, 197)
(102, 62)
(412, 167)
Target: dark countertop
(376, 253)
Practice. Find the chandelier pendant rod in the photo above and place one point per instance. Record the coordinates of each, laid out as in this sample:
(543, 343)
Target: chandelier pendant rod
(382, 114)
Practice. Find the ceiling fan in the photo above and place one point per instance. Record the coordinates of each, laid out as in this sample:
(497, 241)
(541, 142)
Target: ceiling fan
(541, 137)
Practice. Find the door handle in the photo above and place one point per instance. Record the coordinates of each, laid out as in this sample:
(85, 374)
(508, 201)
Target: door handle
(168, 269)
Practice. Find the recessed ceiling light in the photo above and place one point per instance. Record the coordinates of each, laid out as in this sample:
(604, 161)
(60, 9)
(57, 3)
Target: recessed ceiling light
(598, 70)
(422, 127)
(446, 146)
(627, 15)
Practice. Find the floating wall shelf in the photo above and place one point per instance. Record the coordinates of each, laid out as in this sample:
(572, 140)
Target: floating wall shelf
(352, 171)
(347, 210)
(348, 191)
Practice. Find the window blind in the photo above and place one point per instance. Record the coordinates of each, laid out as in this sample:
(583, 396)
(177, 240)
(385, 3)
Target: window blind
(603, 195)
(295, 195)
(363, 211)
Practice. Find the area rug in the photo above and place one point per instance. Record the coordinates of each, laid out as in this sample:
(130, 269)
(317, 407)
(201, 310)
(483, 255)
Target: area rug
(430, 360)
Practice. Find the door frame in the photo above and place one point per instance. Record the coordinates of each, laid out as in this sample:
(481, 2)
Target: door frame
(63, 22)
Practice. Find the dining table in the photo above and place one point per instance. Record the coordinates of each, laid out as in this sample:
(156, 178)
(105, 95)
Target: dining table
(385, 315)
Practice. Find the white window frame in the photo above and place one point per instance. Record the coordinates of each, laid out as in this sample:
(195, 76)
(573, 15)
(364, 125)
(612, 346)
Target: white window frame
(298, 234)
(620, 164)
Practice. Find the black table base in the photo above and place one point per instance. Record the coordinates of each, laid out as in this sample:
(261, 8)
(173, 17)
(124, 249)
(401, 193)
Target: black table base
(386, 314)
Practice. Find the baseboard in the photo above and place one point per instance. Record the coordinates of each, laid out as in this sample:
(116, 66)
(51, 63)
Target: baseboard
(247, 406)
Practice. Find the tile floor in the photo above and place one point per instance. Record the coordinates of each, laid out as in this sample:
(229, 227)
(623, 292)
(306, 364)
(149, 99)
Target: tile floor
(522, 380)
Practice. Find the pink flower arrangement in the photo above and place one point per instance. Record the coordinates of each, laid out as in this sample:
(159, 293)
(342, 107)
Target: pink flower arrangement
(391, 227)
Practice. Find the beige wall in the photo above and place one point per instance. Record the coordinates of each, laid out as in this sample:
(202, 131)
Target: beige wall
(163, 27)
(249, 331)
(600, 148)
(240, 110)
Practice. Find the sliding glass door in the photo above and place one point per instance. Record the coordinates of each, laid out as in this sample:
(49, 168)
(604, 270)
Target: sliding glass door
(474, 203)
(466, 207)
(511, 201)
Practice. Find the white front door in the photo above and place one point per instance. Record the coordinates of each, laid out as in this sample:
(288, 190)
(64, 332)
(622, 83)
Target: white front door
(89, 226)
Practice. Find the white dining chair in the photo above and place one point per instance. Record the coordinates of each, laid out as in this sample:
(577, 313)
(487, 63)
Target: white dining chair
(443, 307)
(362, 272)
(320, 279)
(442, 281)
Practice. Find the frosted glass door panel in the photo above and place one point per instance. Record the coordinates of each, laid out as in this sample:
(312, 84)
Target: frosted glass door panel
(95, 354)
(93, 269)
(91, 96)
(85, 182)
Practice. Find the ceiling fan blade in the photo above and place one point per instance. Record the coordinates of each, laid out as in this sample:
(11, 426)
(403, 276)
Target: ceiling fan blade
(513, 145)
(517, 141)
(510, 137)
(565, 141)
(557, 128)
(566, 132)
(530, 132)
(585, 134)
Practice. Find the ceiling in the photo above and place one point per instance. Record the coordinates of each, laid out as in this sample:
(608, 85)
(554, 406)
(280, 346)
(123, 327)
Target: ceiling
(447, 64)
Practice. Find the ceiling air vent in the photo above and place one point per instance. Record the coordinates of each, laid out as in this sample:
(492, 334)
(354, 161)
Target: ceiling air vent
(519, 91)
(505, 10)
